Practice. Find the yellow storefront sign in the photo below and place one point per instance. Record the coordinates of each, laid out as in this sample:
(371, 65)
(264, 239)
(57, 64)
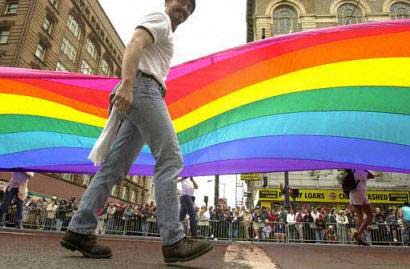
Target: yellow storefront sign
(251, 177)
(335, 196)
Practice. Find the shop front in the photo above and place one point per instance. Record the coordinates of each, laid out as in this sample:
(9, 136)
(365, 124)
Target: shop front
(331, 198)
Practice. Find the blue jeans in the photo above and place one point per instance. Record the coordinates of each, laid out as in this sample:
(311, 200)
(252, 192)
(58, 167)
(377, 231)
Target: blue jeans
(147, 121)
(187, 206)
(9, 195)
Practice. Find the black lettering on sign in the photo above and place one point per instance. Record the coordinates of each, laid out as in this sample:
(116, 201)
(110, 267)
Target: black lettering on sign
(315, 195)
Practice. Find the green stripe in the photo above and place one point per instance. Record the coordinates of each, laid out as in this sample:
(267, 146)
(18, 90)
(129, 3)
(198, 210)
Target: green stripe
(26, 123)
(369, 99)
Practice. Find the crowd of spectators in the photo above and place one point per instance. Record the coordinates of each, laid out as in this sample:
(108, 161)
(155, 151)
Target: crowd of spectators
(223, 222)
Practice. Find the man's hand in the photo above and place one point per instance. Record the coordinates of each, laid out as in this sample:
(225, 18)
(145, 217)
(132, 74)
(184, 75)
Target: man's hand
(123, 97)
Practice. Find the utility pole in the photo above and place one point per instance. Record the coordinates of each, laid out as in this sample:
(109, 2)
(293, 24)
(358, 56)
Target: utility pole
(216, 191)
(286, 189)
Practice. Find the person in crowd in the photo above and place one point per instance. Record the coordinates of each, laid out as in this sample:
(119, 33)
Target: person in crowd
(146, 213)
(60, 214)
(320, 226)
(331, 222)
(404, 214)
(342, 223)
(203, 218)
(392, 222)
(188, 185)
(291, 221)
(281, 229)
(267, 230)
(379, 235)
(358, 199)
(51, 210)
(102, 220)
(111, 216)
(315, 214)
(236, 220)
(308, 230)
(16, 189)
(351, 227)
(257, 222)
(247, 219)
(299, 224)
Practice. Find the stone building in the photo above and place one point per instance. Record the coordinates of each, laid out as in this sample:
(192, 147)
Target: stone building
(268, 18)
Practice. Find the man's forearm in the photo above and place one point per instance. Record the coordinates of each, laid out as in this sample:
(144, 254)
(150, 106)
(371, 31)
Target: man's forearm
(130, 62)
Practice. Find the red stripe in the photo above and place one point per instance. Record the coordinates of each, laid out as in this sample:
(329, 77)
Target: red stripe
(191, 82)
(85, 95)
(393, 45)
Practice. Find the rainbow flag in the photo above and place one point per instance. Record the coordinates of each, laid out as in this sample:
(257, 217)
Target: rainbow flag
(323, 99)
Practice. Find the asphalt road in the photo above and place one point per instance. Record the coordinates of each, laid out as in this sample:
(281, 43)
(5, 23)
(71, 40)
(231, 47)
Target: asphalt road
(42, 250)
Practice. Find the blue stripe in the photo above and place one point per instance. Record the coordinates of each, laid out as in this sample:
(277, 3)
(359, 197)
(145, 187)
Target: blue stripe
(391, 128)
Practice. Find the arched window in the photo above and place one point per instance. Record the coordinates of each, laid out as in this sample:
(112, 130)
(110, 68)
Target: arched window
(74, 26)
(349, 14)
(285, 20)
(400, 10)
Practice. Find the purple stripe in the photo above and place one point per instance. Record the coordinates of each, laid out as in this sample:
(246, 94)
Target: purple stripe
(227, 167)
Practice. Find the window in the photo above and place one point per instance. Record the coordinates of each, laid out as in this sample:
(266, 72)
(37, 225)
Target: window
(86, 68)
(40, 51)
(105, 67)
(74, 27)
(54, 3)
(60, 67)
(400, 10)
(124, 193)
(133, 196)
(11, 8)
(4, 36)
(68, 49)
(114, 191)
(47, 25)
(90, 48)
(285, 20)
(349, 14)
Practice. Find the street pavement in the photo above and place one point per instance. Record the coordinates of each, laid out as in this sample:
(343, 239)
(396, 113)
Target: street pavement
(26, 249)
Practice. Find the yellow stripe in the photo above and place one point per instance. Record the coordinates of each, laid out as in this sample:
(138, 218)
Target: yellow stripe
(25, 105)
(369, 72)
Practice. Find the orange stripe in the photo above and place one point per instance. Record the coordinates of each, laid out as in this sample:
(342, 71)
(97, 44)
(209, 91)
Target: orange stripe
(13, 87)
(392, 45)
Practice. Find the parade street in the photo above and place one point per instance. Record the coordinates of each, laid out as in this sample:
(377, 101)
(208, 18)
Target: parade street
(22, 249)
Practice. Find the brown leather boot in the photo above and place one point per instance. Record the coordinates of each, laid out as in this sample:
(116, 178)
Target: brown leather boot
(86, 244)
(185, 250)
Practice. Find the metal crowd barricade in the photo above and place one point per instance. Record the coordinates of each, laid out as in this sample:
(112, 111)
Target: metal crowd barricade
(300, 232)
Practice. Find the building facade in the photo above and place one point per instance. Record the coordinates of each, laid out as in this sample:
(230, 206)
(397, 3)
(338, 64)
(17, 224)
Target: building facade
(268, 18)
(69, 36)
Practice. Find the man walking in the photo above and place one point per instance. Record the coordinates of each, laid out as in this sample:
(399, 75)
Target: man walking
(187, 205)
(15, 189)
(140, 96)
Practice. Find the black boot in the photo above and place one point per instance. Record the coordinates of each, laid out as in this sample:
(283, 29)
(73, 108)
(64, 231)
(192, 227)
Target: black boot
(185, 250)
(86, 244)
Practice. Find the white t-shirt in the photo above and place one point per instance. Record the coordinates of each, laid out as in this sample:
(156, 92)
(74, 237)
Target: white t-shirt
(18, 179)
(361, 177)
(187, 187)
(156, 58)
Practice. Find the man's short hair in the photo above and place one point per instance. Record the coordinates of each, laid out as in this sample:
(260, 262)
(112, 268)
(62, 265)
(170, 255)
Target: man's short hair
(192, 5)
